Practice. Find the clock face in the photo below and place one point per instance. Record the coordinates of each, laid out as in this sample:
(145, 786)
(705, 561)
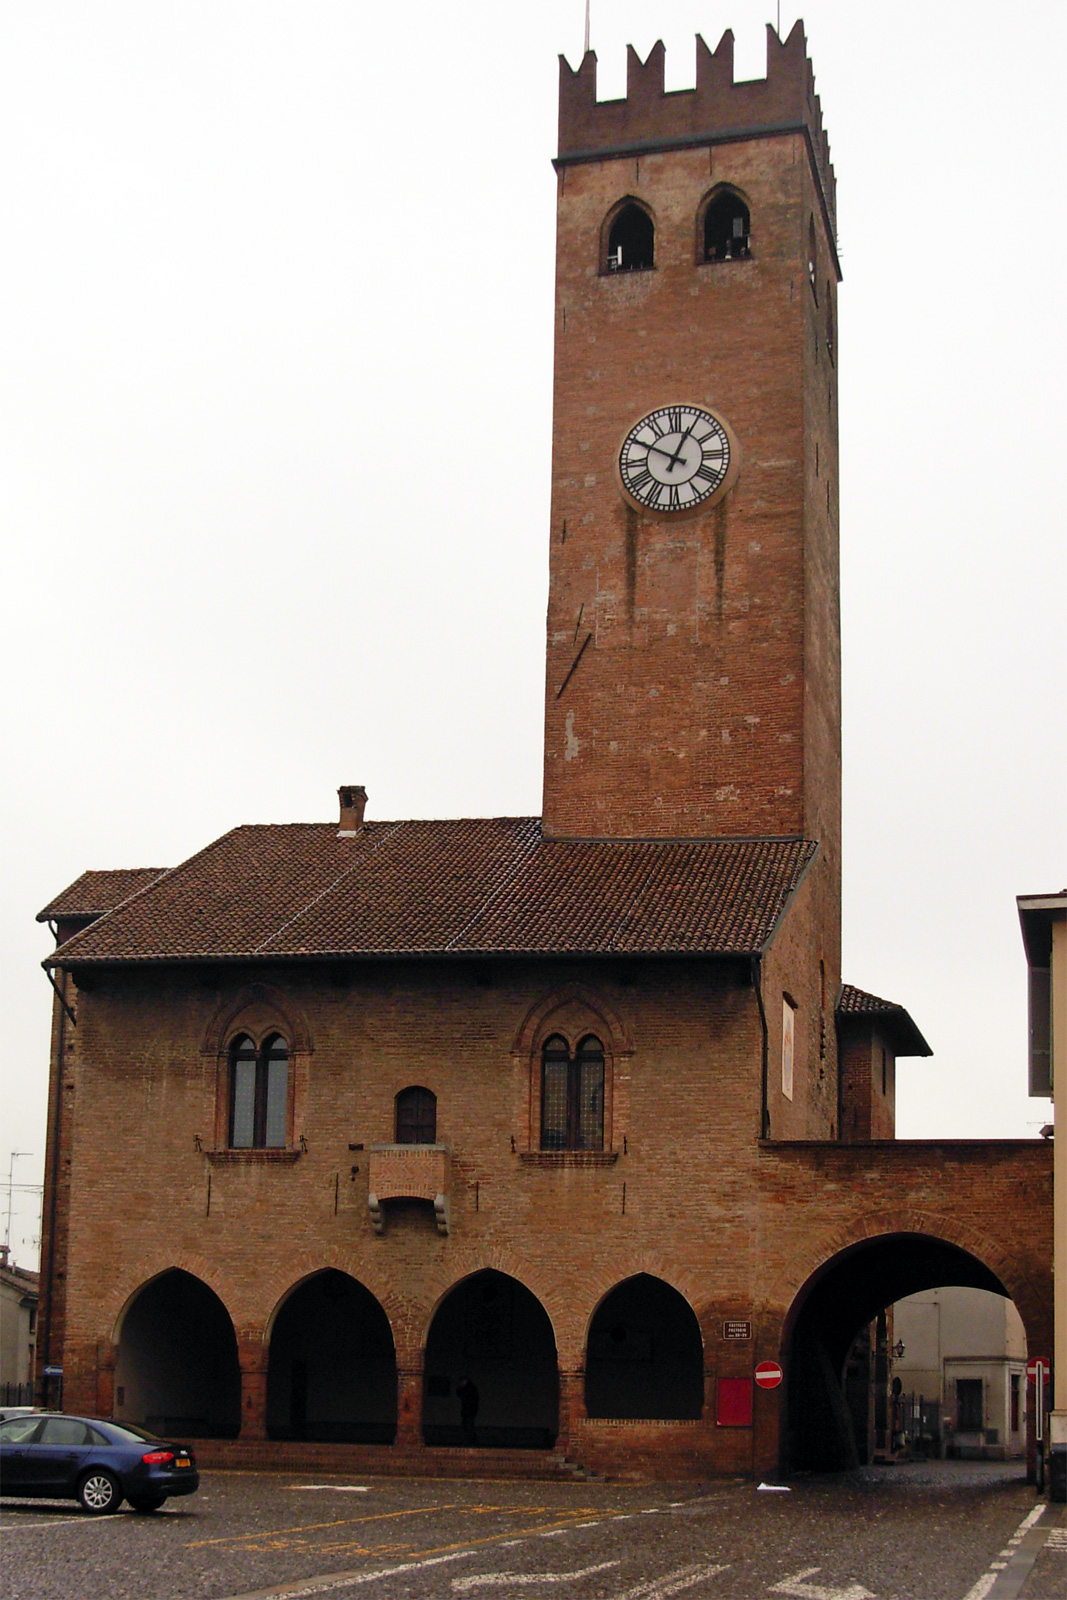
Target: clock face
(676, 458)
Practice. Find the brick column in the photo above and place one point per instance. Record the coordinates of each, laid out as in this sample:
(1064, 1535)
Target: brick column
(253, 1359)
(571, 1407)
(409, 1408)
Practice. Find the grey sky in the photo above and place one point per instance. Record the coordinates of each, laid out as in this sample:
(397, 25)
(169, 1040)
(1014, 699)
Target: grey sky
(275, 405)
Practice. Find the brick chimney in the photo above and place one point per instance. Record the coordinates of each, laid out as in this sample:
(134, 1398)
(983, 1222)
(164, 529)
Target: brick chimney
(353, 798)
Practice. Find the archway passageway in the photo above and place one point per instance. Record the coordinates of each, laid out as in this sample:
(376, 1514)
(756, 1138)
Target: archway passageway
(845, 1401)
(177, 1370)
(645, 1357)
(331, 1373)
(493, 1333)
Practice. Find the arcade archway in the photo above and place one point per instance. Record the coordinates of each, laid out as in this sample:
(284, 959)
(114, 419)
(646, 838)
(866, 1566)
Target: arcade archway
(645, 1357)
(176, 1371)
(491, 1331)
(834, 1370)
(331, 1373)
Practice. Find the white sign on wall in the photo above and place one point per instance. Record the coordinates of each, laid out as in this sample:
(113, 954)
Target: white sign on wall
(788, 1012)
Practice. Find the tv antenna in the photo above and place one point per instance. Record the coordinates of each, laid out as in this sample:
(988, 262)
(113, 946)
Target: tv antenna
(15, 1154)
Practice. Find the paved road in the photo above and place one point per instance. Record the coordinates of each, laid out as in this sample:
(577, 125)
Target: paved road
(943, 1532)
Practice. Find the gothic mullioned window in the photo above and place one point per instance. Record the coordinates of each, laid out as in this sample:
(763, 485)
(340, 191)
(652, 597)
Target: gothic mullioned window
(572, 1094)
(259, 1093)
(416, 1116)
(631, 239)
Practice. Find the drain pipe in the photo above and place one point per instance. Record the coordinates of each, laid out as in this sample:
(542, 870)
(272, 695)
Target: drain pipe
(65, 1013)
(757, 984)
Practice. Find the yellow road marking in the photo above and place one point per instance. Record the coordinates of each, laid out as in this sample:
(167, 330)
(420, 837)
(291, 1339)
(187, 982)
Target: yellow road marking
(280, 1542)
(349, 1522)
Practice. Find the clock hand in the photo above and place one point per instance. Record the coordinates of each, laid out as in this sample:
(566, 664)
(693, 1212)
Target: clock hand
(677, 456)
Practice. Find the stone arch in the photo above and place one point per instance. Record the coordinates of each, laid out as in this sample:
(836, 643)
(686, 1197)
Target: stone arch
(405, 1317)
(544, 1017)
(1002, 1262)
(644, 1353)
(491, 1367)
(331, 1363)
(868, 1266)
(258, 1010)
(177, 1369)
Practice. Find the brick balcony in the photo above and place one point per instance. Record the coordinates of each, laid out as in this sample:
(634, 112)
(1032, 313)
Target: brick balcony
(409, 1172)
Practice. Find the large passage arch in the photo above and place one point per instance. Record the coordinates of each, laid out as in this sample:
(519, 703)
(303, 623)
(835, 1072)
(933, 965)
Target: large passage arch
(822, 1430)
(331, 1373)
(491, 1373)
(176, 1370)
(645, 1358)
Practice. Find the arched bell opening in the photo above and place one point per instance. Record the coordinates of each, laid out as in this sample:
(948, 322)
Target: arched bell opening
(628, 239)
(726, 230)
(176, 1370)
(645, 1355)
(491, 1374)
(858, 1390)
(331, 1374)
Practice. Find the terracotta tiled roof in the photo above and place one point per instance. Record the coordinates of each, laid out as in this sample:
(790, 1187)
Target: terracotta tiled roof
(481, 886)
(897, 1023)
(96, 892)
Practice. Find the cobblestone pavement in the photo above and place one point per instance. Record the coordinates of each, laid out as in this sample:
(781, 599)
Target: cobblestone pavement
(946, 1531)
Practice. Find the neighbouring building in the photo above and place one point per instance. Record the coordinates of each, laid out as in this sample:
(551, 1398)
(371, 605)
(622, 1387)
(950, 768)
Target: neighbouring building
(961, 1364)
(1044, 929)
(573, 1107)
(18, 1331)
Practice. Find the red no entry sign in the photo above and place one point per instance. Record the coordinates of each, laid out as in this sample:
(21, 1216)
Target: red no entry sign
(768, 1375)
(1036, 1367)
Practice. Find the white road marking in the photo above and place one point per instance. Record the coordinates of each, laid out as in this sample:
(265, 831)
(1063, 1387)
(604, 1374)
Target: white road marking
(497, 1580)
(332, 1488)
(64, 1522)
(979, 1590)
(816, 1591)
(1057, 1539)
(594, 1524)
(346, 1580)
(672, 1582)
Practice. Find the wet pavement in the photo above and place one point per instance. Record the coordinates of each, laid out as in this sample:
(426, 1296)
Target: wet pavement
(927, 1531)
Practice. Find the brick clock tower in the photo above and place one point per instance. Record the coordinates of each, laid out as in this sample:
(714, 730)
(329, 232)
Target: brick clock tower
(693, 682)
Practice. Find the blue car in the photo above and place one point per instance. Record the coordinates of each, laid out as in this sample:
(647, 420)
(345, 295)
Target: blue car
(56, 1457)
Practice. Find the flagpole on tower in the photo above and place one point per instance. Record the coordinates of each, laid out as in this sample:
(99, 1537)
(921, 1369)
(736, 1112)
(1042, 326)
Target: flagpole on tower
(585, 52)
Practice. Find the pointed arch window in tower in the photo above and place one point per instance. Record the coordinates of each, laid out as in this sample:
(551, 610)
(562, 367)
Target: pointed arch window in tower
(631, 240)
(813, 260)
(726, 227)
(572, 1095)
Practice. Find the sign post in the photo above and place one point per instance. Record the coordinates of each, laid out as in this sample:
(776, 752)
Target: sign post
(1037, 1370)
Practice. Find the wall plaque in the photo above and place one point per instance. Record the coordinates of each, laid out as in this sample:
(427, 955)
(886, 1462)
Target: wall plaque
(734, 1329)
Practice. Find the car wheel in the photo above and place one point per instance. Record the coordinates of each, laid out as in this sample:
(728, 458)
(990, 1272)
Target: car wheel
(147, 1502)
(99, 1492)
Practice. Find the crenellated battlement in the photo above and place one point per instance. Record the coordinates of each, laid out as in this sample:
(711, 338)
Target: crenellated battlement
(718, 109)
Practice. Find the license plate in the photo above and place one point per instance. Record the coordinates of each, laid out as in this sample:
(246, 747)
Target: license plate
(183, 1461)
